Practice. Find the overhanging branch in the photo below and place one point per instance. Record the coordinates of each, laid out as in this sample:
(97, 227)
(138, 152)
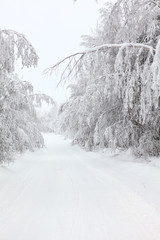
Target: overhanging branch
(73, 57)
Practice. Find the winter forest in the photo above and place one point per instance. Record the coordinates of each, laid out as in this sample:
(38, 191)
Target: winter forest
(113, 105)
(115, 89)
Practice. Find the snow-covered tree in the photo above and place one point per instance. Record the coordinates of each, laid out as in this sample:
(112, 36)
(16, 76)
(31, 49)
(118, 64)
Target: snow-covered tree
(116, 97)
(18, 128)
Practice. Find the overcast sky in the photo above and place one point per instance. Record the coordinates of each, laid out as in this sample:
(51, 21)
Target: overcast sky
(54, 28)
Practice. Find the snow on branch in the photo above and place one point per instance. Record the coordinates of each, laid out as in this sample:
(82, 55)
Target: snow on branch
(39, 98)
(13, 46)
(104, 46)
(76, 58)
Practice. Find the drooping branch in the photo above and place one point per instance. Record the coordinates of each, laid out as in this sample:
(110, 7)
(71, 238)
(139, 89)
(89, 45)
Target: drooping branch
(70, 58)
(39, 98)
(13, 46)
(74, 61)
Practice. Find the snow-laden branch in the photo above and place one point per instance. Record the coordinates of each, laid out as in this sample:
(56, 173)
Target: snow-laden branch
(13, 46)
(38, 98)
(70, 57)
(104, 47)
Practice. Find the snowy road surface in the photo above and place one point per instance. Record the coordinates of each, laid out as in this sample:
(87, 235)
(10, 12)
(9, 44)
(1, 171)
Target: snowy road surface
(64, 193)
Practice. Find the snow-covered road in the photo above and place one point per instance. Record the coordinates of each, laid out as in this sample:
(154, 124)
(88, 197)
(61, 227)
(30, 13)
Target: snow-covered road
(64, 193)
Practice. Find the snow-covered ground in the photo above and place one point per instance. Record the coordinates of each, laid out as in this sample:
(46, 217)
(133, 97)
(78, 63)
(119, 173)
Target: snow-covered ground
(64, 193)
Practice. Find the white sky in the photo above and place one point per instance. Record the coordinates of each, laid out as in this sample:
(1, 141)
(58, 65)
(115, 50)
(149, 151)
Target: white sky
(54, 28)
